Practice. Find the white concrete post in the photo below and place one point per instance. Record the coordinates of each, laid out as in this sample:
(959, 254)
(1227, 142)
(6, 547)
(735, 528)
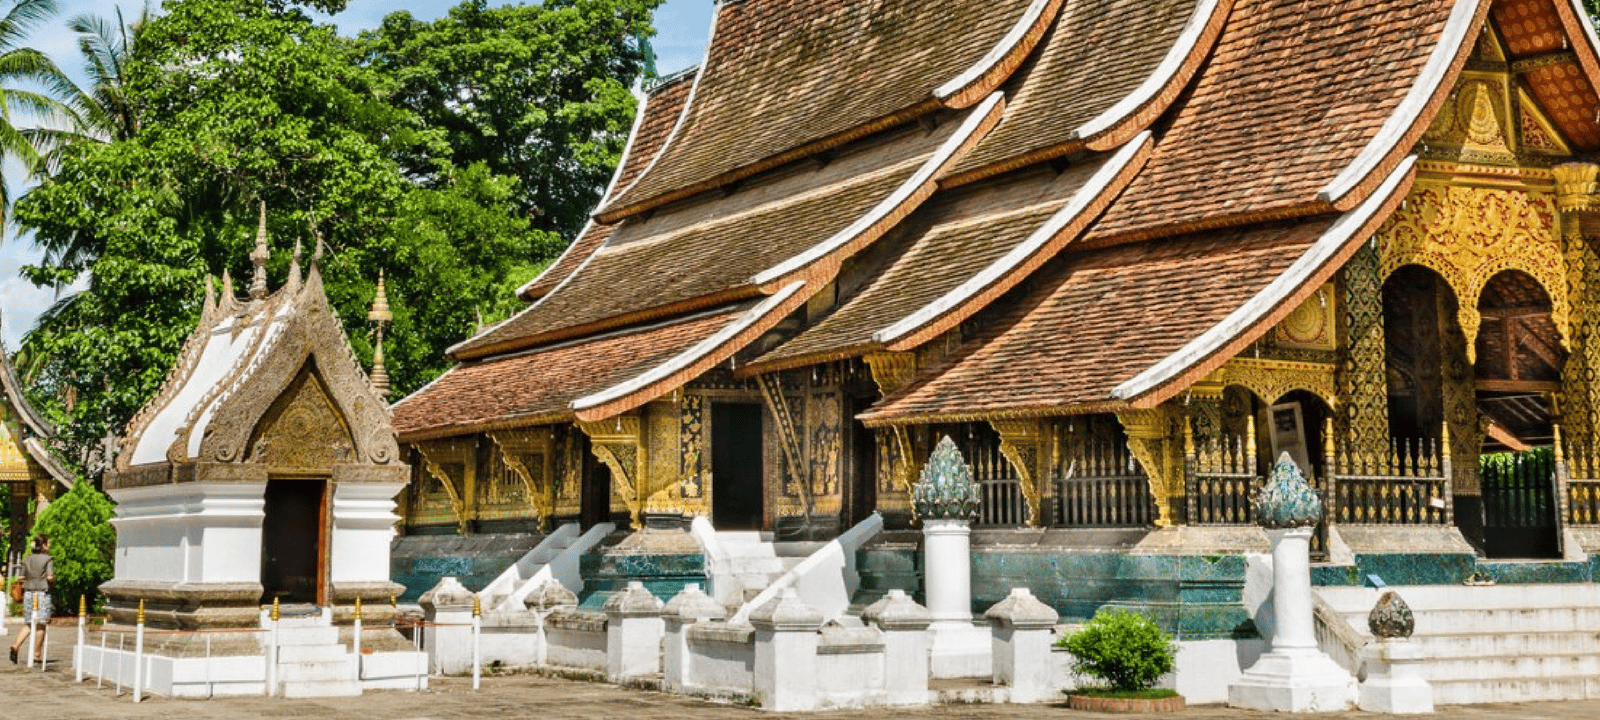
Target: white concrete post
(138, 655)
(633, 633)
(947, 568)
(683, 610)
(904, 625)
(477, 642)
(786, 652)
(447, 633)
(1023, 629)
(77, 652)
(541, 602)
(1394, 681)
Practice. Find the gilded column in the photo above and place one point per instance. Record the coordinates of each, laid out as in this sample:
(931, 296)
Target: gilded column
(1460, 399)
(1578, 201)
(1363, 373)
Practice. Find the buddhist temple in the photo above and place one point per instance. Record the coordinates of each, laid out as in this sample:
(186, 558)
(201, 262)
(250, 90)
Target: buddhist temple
(27, 467)
(1125, 254)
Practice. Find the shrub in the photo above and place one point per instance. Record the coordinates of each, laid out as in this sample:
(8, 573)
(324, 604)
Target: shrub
(82, 544)
(1124, 649)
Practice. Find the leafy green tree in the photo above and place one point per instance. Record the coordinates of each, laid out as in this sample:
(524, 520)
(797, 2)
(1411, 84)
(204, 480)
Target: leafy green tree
(538, 92)
(82, 544)
(240, 102)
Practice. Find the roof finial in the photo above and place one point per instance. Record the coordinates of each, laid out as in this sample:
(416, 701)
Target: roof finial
(228, 298)
(380, 316)
(293, 283)
(259, 257)
(209, 310)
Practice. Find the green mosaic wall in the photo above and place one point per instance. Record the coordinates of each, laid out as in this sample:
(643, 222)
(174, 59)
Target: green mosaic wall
(663, 575)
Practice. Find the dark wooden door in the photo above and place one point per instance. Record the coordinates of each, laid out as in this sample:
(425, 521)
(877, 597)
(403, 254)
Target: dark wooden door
(1519, 505)
(736, 477)
(292, 537)
(596, 498)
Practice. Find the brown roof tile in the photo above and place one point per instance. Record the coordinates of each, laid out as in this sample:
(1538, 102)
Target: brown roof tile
(782, 74)
(1292, 94)
(948, 241)
(699, 251)
(539, 386)
(1098, 318)
(1097, 53)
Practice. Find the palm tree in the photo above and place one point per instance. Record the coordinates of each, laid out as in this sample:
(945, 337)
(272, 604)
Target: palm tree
(27, 65)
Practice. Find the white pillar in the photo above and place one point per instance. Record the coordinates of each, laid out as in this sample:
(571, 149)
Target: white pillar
(1295, 676)
(1394, 681)
(904, 625)
(947, 568)
(683, 610)
(633, 633)
(1023, 629)
(786, 652)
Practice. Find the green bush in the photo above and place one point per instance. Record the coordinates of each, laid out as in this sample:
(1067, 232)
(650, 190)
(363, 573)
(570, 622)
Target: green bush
(1124, 649)
(82, 544)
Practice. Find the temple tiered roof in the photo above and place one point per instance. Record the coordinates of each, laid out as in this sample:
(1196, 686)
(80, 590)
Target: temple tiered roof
(1120, 194)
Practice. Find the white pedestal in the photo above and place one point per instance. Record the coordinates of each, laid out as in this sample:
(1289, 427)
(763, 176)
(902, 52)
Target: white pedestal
(960, 650)
(1295, 676)
(1394, 681)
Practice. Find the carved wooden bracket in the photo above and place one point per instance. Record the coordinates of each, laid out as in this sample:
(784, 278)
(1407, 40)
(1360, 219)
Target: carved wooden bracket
(431, 459)
(1022, 442)
(892, 370)
(619, 443)
(515, 445)
(1272, 379)
(1151, 442)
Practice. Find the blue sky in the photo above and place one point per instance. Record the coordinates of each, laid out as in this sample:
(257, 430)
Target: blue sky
(681, 27)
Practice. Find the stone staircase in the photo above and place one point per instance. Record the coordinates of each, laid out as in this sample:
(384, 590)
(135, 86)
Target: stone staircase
(1501, 643)
(311, 660)
(754, 561)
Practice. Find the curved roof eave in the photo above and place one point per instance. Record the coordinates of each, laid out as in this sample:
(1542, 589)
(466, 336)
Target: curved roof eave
(694, 361)
(1245, 324)
(1004, 273)
(1401, 130)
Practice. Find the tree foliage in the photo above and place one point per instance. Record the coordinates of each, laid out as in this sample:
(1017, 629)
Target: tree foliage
(82, 544)
(1125, 649)
(538, 92)
(240, 101)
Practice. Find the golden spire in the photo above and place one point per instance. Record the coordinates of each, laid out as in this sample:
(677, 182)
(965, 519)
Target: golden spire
(259, 257)
(380, 316)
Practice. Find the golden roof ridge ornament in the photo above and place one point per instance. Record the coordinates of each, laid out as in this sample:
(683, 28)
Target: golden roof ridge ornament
(258, 259)
(380, 316)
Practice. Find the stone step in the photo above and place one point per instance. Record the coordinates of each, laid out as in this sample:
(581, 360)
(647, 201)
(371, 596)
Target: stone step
(1495, 668)
(321, 688)
(1471, 645)
(1427, 598)
(325, 635)
(316, 670)
(312, 653)
(1463, 692)
(1479, 620)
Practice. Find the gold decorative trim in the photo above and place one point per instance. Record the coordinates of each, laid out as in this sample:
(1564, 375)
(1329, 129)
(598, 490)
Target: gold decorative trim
(618, 442)
(1151, 440)
(1272, 379)
(1022, 442)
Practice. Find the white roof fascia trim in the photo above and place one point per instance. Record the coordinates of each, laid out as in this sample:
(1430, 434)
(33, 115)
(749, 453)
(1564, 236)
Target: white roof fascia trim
(996, 53)
(683, 115)
(1022, 251)
(1455, 30)
(1588, 25)
(923, 176)
(687, 357)
(1269, 297)
(1158, 78)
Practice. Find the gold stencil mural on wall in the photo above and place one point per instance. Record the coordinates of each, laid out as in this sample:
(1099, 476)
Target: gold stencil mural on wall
(1470, 234)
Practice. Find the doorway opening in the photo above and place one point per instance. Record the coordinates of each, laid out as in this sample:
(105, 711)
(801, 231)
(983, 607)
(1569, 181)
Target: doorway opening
(294, 535)
(736, 467)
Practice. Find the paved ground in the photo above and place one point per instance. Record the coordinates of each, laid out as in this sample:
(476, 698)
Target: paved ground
(52, 695)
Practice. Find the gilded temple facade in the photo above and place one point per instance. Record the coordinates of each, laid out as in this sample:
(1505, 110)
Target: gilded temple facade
(28, 470)
(1124, 265)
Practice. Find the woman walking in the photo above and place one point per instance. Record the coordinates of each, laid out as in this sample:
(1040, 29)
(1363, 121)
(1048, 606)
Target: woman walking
(38, 572)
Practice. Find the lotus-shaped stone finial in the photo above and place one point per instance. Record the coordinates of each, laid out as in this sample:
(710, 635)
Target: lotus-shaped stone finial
(1391, 617)
(946, 490)
(1287, 501)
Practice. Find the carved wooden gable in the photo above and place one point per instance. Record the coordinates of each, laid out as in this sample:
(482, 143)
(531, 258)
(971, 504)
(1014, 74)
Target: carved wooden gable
(303, 429)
